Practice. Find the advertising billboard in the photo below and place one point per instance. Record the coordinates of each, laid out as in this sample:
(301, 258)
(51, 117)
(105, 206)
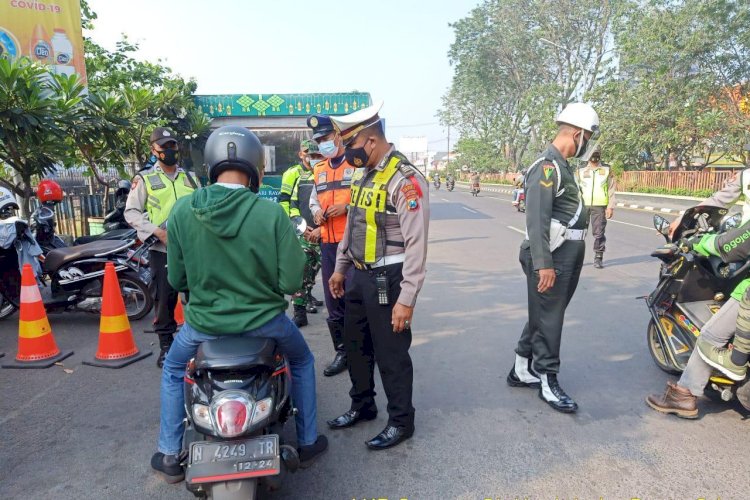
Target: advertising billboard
(47, 32)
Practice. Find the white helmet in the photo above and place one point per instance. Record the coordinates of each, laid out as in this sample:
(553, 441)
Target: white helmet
(7, 203)
(579, 115)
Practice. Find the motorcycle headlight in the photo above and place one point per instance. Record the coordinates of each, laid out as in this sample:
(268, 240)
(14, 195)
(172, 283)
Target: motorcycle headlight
(262, 411)
(231, 412)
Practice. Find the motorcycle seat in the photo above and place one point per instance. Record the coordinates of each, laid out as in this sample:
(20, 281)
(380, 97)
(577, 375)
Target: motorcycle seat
(115, 234)
(58, 257)
(235, 353)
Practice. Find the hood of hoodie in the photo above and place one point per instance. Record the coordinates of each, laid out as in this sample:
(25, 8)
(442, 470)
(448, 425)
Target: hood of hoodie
(222, 210)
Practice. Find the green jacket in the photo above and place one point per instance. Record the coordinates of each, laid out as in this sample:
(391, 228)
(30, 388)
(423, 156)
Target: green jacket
(237, 254)
(731, 246)
(288, 181)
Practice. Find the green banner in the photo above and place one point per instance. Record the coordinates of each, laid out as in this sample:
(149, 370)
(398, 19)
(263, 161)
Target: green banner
(281, 104)
(270, 188)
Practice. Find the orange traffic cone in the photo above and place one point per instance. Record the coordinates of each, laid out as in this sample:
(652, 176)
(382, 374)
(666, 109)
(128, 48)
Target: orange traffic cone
(36, 344)
(116, 345)
(179, 313)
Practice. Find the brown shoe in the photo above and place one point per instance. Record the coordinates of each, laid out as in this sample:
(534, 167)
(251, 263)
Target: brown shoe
(676, 400)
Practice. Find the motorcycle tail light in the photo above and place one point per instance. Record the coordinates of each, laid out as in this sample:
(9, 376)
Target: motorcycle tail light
(231, 412)
(201, 415)
(262, 410)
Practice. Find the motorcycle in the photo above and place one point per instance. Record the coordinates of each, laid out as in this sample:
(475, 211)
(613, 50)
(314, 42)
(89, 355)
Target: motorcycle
(475, 189)
(237, 400)
(436, 183)
(521, 206)
(450, 185)
(74, 276)
(690, 290)
(115, 228)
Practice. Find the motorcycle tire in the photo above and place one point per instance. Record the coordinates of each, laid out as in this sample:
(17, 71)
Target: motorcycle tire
(131, 283)
(657, 354)
(245, 489)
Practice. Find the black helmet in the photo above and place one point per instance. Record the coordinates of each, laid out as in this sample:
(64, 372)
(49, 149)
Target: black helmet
(123, 188)
(234, 148)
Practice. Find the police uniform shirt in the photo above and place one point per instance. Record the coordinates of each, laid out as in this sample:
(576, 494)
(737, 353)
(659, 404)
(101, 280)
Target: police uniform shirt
(551, 193)
(135, 207)
(411, 228)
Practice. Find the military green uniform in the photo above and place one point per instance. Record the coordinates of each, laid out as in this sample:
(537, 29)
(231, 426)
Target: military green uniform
(299, 206)
(551, 193)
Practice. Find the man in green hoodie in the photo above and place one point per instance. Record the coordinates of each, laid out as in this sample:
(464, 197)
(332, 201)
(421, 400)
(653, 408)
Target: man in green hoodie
(238, 255)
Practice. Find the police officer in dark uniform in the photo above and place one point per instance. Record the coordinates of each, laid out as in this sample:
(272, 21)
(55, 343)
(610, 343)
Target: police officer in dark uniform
(386, 243)
(552, 254)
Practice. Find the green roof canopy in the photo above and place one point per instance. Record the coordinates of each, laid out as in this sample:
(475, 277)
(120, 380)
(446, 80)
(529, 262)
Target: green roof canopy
(228, 105)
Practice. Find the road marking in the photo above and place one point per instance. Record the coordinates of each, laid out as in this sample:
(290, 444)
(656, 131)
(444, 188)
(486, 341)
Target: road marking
(516, 230)
(445, 200)
(634, 225)
(648, 208)
(666, 210)
(470, 210)
(634, 206)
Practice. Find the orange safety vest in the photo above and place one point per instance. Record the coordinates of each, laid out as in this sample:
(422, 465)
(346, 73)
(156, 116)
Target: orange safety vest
(333, 186)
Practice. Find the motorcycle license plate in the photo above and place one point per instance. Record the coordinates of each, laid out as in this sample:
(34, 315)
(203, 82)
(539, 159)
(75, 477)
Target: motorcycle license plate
(212, 462)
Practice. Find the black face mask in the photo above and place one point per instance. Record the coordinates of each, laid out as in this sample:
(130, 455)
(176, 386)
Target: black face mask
(582, 145)
(357, 157)
(168, 157)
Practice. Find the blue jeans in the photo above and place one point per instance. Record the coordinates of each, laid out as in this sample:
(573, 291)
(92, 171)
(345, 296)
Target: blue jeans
(185, 345)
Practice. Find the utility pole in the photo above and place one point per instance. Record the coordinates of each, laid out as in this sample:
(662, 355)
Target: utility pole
(448, 159)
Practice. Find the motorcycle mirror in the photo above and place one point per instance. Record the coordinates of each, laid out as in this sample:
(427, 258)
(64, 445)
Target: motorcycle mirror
(300, 225)
(661, 224)
(731, 222)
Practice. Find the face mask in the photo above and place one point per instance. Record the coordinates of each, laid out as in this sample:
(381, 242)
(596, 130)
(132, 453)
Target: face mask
(328, 149)
(583, 142)
(168, 157)
(357, 157)
(314, 162)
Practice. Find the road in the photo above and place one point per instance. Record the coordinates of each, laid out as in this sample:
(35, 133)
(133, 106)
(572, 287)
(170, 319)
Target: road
(90, 433)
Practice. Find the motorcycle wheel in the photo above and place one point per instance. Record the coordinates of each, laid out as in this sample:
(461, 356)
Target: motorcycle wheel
(6, 308)
(136, 295)
(245, 489)
(657, 353)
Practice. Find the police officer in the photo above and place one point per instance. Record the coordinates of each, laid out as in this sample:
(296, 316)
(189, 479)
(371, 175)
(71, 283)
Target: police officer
(598, 187)
(152, 196)
(552, 254)
(296, 188)
(386, 243)
(329, 204)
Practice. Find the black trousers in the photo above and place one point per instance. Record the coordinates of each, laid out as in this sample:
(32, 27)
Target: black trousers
(369, 337)
(166, 296)
(598, 225)
(328, 265)
(542, 333)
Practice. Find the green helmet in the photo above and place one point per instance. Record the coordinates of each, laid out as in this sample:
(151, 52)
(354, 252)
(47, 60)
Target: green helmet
(309, 146)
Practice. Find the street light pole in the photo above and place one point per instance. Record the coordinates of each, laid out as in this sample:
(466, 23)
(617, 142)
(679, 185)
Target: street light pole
(578, 59)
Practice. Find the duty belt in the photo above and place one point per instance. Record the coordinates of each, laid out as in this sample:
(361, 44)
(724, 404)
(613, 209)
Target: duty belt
(383, 261)
(575, 234)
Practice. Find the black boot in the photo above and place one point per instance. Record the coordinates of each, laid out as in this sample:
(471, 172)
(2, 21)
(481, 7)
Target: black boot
(300, 316)
(551, 392)
(598, 258)
(165, 342)
(310, 307)
(312, 300)
(338, 364)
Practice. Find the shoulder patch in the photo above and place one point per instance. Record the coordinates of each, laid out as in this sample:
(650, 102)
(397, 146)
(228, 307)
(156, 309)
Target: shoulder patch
(411, 195)
(547, 184)
(406, 169)
(548, 169)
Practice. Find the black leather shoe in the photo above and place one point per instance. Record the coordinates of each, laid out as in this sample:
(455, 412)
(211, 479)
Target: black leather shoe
(551, 393)
(314, 301)
(351, 418)
(308, 454)
(390, 437)
(311, 308)
(300, 316)
(168, 466)
(337, 366)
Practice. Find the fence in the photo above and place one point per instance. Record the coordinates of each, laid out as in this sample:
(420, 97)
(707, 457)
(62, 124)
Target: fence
(74, 213)
(687, 183)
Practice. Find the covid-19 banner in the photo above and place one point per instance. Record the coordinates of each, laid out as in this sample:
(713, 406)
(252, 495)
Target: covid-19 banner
(48, 32)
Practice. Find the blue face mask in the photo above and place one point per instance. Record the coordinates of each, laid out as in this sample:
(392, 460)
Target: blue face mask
(328, 149)
(314, 161)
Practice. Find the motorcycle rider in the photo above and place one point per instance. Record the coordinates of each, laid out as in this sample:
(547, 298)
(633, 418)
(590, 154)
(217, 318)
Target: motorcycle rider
(155, 191)
(518, 186)
(474, 181)
(680, 398)
(238, 255)
(294, 178)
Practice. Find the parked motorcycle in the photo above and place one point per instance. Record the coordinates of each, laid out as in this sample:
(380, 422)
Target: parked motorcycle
(115, 225)
(691, 289)
(237, 400)
(74, 276)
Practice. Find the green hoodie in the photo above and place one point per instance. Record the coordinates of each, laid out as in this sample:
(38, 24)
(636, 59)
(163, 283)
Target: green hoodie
(237, 254)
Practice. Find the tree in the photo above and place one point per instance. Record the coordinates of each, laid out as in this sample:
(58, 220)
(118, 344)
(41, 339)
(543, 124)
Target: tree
(31, 134)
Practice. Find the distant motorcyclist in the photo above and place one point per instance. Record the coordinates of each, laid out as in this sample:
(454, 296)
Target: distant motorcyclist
(518, 186)
(474, 182)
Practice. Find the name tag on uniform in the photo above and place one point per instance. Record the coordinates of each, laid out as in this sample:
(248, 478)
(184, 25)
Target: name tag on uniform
(348, 173)
(322, 178)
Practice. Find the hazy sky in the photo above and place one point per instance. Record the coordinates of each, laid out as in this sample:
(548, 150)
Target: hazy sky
(394, 49)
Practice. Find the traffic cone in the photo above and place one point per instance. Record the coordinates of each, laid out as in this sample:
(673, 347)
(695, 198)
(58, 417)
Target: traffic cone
(179, 313)
(36, 344)
(116, 345)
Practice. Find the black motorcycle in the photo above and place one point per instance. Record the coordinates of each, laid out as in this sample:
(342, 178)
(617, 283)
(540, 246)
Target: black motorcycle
(450, 184)
(691, 289)
(74, 276)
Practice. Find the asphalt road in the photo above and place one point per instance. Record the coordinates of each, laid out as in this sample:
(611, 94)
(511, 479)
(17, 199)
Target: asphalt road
(90, 433)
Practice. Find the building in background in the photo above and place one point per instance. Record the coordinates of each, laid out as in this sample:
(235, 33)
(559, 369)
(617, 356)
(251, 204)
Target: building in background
(279, 120)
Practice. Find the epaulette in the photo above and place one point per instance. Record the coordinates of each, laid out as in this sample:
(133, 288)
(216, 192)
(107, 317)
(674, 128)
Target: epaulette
(405, 166)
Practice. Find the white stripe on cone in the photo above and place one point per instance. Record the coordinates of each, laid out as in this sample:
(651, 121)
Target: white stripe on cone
(30, 294)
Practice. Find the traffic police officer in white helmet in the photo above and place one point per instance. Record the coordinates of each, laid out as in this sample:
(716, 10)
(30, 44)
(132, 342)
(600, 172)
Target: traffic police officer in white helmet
(552, 253)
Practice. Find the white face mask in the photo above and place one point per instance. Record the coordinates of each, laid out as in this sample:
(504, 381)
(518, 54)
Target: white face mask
(328, 149)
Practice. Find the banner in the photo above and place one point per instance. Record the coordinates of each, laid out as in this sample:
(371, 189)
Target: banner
(48, 32)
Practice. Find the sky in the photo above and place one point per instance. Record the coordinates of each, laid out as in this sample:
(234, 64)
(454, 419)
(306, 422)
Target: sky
(394, 49)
